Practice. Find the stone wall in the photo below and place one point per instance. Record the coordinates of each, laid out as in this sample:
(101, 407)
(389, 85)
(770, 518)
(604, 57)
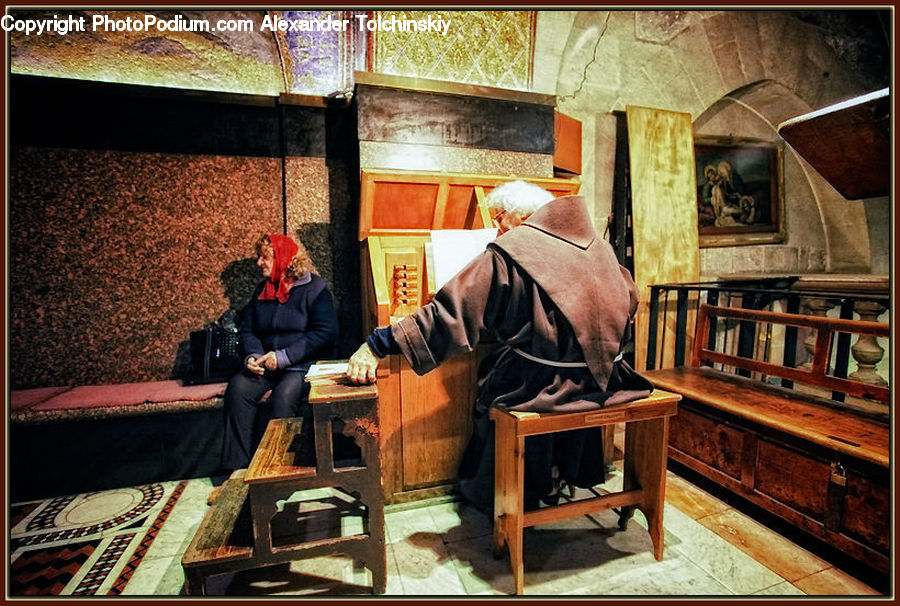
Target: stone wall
(132, 210)
(736, 72)
(133, 213)
(134, 224)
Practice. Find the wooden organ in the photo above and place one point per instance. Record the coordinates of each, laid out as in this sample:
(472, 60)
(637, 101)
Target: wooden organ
(425, 421)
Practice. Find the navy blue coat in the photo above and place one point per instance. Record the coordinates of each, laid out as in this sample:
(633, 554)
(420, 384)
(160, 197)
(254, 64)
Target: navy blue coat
(305, 326)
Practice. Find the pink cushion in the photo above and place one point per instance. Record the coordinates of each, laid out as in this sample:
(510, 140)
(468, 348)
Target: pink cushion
(26, 398)
(130, 394)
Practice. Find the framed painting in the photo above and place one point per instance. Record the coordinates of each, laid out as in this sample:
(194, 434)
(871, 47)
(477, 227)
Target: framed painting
(740, 191)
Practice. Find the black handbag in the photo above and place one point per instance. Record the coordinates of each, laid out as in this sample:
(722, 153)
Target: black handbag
(214, 355)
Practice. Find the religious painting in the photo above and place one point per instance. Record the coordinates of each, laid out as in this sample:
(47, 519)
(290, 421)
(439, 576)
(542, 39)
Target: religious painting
(739, 191)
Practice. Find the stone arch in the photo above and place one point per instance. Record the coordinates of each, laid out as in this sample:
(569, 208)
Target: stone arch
(825, 232)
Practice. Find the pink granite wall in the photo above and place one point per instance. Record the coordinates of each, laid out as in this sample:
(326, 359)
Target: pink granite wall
(322, 212)
(116, 256)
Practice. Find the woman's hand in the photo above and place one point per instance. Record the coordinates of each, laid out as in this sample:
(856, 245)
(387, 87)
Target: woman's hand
(269, 360)
(254, 367)
(362, 365)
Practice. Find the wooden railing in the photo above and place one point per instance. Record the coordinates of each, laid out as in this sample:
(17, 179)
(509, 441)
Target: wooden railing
(674, 309)
(818, 373)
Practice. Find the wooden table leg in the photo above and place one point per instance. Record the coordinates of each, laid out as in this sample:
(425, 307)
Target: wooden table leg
(377, 560)
(645, 466)
(509, 498)
(504, 478)
(263, 508)
(195, 582)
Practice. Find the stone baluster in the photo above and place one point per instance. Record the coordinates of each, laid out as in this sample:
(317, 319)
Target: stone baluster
(866, 351)
(817, 307)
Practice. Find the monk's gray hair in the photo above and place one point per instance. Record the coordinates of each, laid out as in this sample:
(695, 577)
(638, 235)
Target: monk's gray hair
(517, 197)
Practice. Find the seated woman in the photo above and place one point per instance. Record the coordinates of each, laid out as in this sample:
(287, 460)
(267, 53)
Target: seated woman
(289, 323)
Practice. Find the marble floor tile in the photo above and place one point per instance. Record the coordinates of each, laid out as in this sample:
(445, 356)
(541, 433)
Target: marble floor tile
(783, 588)
(335, 575)
(460, 521)
(399, 525)
(394, 585)
(673, 576)
(340, 569)
(780, 555)
(550, 567)
(316, 577)
(157, 576)
(478, 571)
(691, 500)
(179, 528)
(425, 566)
(442, 548)
(670, 539)
(739, 572)
(833, 582)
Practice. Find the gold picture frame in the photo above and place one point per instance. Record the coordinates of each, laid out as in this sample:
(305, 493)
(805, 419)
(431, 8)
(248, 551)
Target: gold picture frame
(740, 191)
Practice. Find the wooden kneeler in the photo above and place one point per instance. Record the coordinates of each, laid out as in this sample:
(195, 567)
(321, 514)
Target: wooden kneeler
(646, 440)
(276, 472)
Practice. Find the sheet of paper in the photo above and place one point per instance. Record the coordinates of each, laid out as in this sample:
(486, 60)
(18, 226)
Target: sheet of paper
(454, 248)
(326, 370)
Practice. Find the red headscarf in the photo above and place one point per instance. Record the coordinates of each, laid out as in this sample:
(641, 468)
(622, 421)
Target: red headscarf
(283, 250)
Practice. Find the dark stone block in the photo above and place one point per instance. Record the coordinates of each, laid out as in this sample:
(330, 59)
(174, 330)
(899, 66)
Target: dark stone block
(403, 116)
(123, 117)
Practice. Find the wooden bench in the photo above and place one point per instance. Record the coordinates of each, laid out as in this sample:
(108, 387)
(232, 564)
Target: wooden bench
(811, 460)
(646, 427)
(69, 440)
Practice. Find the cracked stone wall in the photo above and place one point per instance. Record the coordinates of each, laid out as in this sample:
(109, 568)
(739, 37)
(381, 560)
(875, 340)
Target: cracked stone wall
(736, 72)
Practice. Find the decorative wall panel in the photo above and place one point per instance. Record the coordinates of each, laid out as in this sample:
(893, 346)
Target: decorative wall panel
(320, 61)
(491, 48)
(119, 256)
(132, 217)
(427, 118)
(200, 58)
(228, 51)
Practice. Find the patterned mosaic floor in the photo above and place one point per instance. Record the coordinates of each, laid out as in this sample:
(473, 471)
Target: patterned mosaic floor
(89, 544)
(129, 542)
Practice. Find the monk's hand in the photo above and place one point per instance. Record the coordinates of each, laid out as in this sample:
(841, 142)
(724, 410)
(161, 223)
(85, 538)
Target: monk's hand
(362, 365)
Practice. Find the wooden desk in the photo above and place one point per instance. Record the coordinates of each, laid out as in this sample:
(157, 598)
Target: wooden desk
(425, 421)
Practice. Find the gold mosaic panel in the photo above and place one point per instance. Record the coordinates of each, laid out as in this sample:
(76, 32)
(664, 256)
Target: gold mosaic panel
(194, 55)
(490, 48)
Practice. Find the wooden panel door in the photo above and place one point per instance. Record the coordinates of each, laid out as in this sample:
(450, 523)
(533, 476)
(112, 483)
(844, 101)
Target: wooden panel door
(708, 441)
(664, 211)
(436, 411)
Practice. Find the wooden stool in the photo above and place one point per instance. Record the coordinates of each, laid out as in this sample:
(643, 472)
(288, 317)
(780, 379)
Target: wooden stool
(646, 437)
(275, 474)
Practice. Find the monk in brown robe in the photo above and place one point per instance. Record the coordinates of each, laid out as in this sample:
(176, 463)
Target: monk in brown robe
(552, 294)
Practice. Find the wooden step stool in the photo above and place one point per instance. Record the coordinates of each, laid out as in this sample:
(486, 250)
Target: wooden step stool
(646, 437)
(274, 475)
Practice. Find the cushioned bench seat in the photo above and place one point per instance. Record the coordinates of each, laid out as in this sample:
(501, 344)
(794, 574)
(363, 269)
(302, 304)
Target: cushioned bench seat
(52, 404)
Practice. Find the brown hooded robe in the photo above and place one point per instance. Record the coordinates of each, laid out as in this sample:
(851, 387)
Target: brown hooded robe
(553, 289)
